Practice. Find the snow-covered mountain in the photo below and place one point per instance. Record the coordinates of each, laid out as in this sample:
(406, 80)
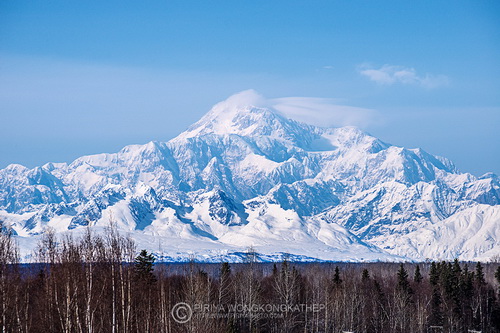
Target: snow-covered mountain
(245, 176)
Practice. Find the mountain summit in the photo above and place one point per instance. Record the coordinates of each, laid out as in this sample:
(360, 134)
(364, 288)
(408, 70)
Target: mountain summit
(247, 115)
(245, 175)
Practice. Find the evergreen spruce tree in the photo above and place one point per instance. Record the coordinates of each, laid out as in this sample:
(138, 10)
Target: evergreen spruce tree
(467, 277)
(403, 283)
(456, 289)
(418, 276)
(466, 292)
(144, 266)
(434, 274)
(479, 274)
(365, 276)
(447, 280)
(225, 269)
(436, 315)
(224, 288)
(457, 270)
(336, 277)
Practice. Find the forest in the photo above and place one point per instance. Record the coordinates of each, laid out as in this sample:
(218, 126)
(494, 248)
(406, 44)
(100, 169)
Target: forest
(103, 283)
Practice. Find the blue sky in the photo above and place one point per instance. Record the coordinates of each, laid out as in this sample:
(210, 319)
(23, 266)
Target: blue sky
(93, 76)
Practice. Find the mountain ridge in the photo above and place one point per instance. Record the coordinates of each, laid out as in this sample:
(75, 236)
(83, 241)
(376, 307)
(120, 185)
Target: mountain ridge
(246, 176)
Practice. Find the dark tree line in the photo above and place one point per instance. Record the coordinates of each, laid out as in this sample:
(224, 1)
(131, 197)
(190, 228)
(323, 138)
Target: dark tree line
(102, 284)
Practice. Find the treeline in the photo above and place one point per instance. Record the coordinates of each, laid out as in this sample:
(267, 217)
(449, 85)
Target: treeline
(103, 284)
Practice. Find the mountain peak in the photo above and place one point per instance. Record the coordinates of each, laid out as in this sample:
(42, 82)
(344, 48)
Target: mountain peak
(245, 114)
(249, 114)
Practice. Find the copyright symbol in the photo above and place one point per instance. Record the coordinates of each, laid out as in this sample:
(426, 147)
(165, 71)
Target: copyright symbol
(182, 312)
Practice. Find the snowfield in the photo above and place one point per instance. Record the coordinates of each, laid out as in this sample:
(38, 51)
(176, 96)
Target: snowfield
(247, 176)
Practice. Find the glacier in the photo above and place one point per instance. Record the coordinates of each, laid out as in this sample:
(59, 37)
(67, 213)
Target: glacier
(247, 176)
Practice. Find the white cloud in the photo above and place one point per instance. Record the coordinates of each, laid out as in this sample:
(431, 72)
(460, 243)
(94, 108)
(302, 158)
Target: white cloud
(324, 112)
(390, 74)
